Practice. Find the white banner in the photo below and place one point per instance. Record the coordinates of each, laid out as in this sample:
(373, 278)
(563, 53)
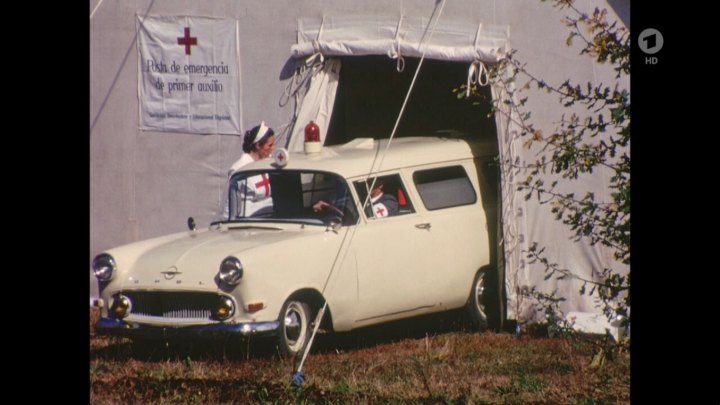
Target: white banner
(188, 74)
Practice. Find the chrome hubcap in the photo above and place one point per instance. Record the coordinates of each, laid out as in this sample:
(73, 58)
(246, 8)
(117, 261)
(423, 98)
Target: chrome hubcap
(294, 325)
(479, 289)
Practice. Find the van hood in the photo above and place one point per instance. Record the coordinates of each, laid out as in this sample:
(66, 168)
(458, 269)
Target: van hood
(193, 260)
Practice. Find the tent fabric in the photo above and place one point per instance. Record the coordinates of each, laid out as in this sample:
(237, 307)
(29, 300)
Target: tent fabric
(364, 35)
(375, 35)
(527, 221)
(317, 102)
(512, 209)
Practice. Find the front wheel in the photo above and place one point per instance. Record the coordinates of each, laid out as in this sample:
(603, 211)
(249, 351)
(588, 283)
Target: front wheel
(295, 319)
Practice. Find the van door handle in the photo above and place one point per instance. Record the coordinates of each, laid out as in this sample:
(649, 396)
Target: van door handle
(423, 226)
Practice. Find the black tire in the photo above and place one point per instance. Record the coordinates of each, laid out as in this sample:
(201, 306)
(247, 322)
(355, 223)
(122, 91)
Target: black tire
(294, 332)
(477, 303)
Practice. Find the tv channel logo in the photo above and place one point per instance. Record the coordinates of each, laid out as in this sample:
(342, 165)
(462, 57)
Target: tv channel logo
(650, 42)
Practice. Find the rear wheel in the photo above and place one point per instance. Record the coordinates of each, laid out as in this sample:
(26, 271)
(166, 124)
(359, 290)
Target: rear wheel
(476, 305)
(295, 319)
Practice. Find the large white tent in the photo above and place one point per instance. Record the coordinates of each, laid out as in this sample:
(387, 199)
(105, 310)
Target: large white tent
(302, 60)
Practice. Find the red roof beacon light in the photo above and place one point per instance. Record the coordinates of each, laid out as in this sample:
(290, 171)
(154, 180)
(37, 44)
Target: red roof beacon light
(312, 138)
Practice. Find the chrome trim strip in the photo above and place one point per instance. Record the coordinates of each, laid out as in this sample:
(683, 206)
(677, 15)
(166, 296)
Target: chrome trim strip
(109, 326)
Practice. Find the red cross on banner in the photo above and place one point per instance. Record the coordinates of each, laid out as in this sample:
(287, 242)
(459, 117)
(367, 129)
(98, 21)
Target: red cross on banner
(187, 40)
(265, 182)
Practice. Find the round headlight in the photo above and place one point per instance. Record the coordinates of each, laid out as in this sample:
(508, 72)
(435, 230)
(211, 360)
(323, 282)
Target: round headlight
(224, 308)
(120, 306)
(231, 271)
(104, 267)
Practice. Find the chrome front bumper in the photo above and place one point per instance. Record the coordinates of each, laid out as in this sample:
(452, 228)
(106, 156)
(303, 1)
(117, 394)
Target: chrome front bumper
(116, 327)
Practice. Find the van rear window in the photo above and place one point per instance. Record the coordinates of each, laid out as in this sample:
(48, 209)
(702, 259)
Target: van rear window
(444, 187)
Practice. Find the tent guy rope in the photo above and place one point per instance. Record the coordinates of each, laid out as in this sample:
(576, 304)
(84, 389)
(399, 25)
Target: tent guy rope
(298, 376)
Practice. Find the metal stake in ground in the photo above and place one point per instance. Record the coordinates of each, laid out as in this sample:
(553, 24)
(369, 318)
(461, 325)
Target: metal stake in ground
(298, 376)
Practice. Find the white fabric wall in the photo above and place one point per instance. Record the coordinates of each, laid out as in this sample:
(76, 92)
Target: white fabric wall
(541, 44)
(145, 184)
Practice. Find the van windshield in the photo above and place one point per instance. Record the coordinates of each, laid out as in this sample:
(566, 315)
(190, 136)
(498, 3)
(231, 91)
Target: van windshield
(287, 196)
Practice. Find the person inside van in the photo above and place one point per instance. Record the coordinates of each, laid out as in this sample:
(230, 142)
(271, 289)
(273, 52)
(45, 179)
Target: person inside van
(381, 204)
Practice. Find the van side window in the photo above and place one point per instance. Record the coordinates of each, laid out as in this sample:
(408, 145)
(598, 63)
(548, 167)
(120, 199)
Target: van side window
(444, 187)
(393, 187)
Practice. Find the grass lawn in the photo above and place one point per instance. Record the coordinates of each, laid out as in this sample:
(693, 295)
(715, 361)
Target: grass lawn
(429, 360)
